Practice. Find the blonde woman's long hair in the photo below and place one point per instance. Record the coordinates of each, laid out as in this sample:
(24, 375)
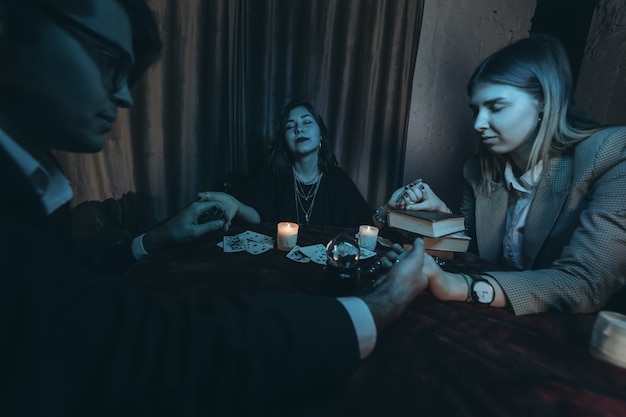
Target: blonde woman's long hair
(538, 65)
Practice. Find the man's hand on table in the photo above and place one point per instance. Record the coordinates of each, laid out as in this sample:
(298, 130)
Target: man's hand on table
(399, 286)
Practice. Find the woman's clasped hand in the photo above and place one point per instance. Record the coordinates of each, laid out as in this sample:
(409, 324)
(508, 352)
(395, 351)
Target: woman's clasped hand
(416, 195)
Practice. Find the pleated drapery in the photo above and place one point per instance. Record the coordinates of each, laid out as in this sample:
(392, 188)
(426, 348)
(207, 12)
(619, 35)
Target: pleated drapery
(209, 106)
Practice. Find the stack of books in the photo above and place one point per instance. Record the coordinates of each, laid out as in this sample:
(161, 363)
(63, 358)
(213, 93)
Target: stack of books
(443, 233)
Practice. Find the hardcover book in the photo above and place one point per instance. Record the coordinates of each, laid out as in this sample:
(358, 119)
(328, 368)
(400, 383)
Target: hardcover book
(426, 223)
(443, 255)
(454, 242)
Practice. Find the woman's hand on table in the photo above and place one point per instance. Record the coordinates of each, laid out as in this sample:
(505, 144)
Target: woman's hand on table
(442, 284)
(402, 283)
(448, 286)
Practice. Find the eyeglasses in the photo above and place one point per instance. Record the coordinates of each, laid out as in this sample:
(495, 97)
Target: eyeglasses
(114, 62)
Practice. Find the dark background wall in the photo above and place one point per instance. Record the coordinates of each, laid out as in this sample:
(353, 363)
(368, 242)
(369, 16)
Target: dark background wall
(569, 21)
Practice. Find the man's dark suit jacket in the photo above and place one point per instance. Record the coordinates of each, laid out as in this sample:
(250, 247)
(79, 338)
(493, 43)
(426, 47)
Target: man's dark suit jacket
(77, 343)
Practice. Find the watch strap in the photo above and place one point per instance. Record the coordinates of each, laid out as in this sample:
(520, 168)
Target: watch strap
(469, 280)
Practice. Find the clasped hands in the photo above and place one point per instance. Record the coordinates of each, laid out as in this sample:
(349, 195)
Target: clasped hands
(416, 195)
(210, 211)
(442, 284)
(408, 273)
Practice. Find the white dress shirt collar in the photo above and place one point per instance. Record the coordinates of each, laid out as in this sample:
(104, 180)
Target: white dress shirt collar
(526, 182)
(50, 184)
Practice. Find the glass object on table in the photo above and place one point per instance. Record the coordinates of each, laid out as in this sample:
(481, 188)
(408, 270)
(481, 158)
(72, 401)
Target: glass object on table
(341, 273)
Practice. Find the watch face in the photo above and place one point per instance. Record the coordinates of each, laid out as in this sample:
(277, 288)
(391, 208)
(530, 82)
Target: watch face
(483, 292)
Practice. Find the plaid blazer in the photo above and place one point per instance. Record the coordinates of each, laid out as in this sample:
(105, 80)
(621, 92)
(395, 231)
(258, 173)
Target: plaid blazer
(574, 245)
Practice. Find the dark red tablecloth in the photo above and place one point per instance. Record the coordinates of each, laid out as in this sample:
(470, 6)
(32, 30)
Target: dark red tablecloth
(440, 358)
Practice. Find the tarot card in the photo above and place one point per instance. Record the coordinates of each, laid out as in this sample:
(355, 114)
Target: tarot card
(256, 248)
(317, 253)
(366, 253)
(234, 244)
(297, 255)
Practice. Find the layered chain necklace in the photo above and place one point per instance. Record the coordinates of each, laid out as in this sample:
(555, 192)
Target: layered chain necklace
(302, 197)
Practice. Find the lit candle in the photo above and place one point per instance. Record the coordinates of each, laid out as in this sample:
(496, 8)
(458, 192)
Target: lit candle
(287, 236)
(368, 236)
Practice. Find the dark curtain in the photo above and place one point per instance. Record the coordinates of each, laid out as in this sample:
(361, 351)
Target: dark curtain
(208, 108)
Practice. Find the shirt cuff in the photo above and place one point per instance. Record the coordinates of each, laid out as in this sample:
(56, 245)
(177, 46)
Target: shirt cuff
(137, 246)
(363, 322)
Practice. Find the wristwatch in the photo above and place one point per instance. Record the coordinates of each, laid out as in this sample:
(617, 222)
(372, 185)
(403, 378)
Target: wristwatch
(480, 290)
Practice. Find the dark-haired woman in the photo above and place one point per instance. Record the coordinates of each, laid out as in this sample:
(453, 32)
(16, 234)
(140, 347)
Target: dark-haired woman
(303, 182)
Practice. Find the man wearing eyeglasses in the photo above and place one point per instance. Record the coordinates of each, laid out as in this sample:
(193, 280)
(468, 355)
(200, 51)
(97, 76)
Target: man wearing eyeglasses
(69, 89)
(73, 343)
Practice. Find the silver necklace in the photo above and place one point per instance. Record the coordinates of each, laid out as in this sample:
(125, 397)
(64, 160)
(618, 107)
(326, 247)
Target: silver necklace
(300, 195)
(306, 182)
(300, 190)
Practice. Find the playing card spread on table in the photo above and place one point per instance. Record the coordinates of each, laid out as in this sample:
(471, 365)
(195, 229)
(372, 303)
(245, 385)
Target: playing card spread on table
(317, 253)
(235, 244)
(249, 241)
(297, 255)
(255, 237)
(256, 248)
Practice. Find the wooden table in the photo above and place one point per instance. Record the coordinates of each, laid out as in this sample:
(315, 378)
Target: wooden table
(439, 358)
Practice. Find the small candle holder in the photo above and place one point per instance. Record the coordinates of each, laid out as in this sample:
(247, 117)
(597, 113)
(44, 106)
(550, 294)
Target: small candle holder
(341, 273)
(368, 236)
(286, 236)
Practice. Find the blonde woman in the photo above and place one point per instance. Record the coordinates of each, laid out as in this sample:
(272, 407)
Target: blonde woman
(545, 196)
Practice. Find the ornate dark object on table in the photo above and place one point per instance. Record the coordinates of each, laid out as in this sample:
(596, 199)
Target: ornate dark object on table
(374, 274)
(439, 261)
(342, 273)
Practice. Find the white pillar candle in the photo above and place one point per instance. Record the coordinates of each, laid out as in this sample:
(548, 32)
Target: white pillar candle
(368, 236)
(287, 235)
